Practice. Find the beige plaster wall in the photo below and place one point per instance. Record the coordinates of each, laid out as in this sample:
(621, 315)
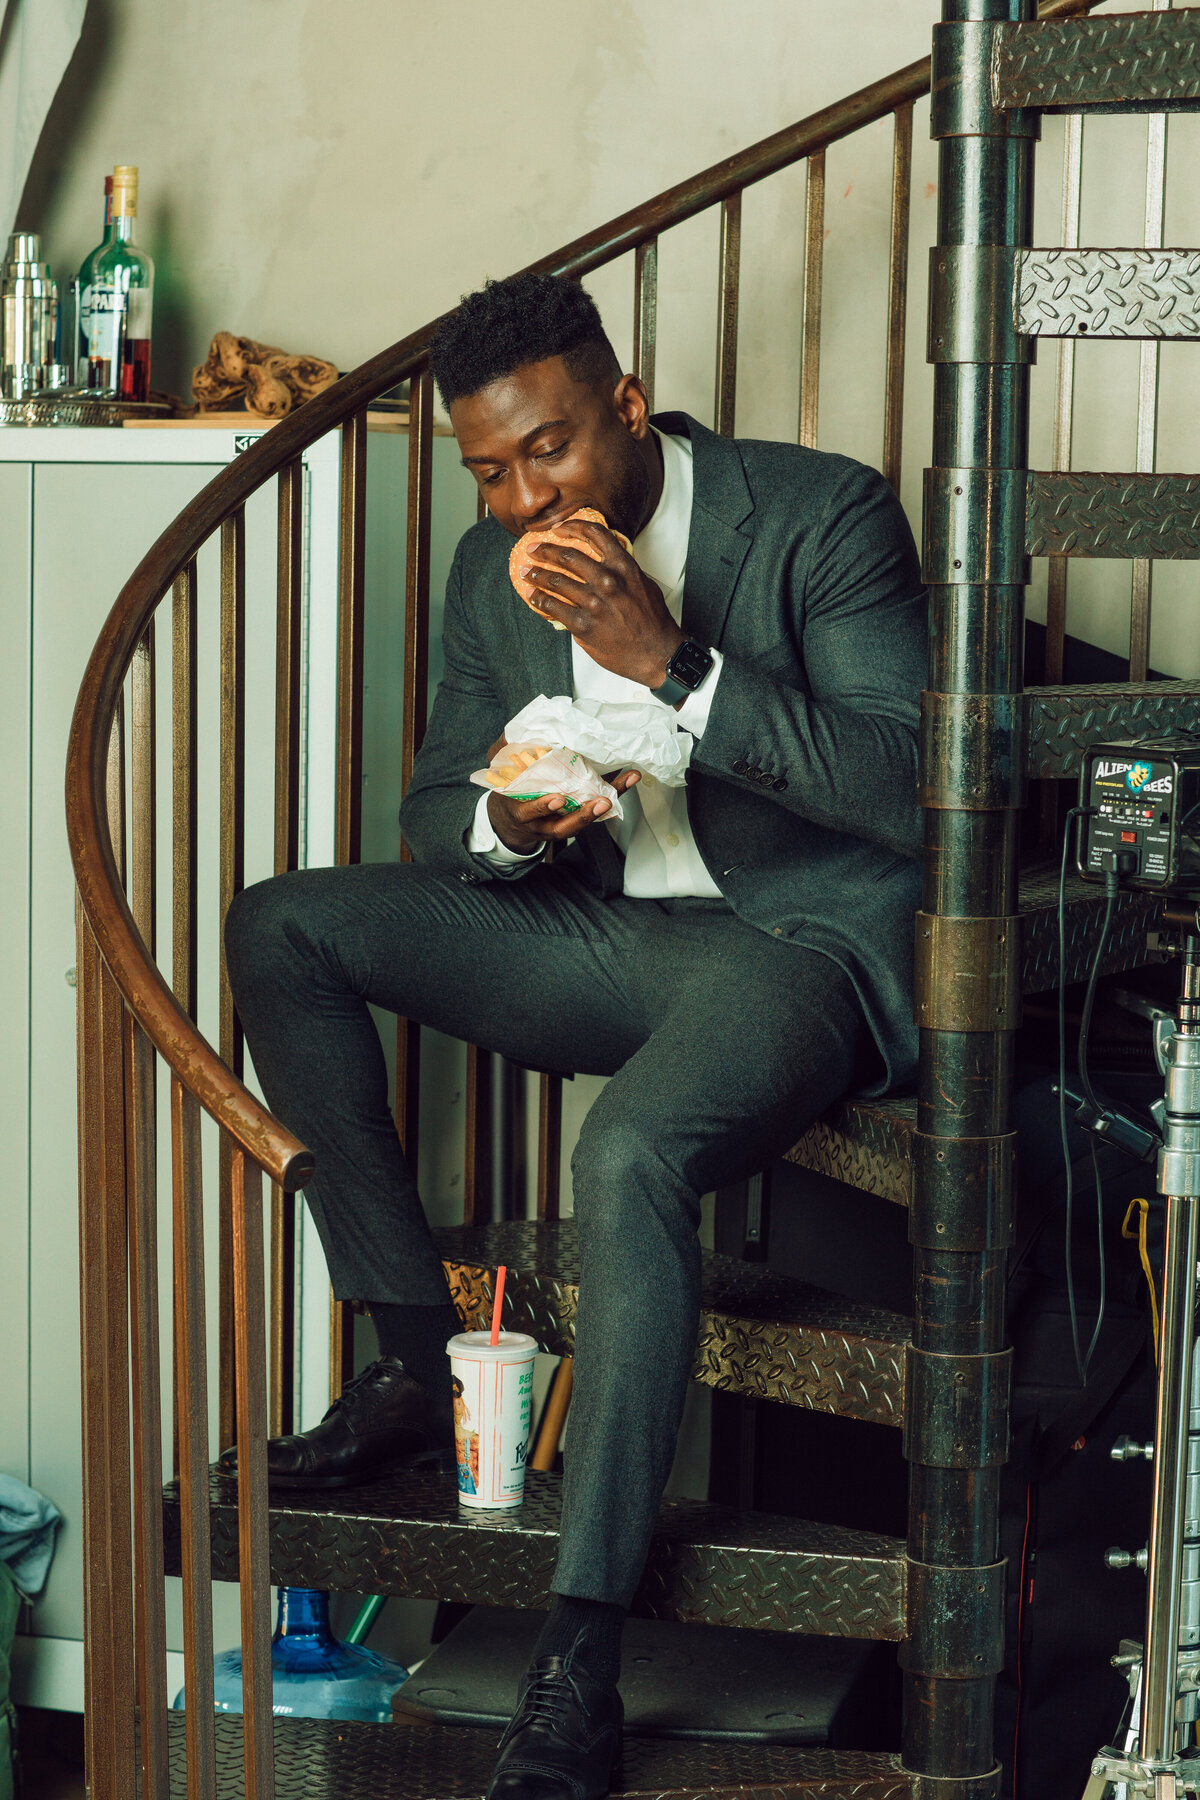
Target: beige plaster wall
(328, 176)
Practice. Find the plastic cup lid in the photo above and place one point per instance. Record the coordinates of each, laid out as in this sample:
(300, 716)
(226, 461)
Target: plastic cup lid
(478, 1344)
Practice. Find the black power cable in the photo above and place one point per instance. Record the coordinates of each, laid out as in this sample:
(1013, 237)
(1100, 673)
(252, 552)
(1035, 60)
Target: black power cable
(1075, 813)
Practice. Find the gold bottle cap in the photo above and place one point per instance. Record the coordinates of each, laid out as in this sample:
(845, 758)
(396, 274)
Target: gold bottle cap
(125, 191)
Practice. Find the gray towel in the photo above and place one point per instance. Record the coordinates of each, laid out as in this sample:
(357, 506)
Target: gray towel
(28, 1522)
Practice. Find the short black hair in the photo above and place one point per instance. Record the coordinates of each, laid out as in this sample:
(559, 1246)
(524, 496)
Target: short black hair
(508, 324)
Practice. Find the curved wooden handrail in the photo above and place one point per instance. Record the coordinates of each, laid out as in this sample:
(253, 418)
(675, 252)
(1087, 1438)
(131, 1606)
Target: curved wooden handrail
(137, 977)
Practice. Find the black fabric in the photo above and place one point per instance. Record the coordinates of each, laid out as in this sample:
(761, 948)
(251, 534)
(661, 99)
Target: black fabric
(722, 1042)
(418, 1335)
(802, 571)
(587, 1630)
(1064, 1501)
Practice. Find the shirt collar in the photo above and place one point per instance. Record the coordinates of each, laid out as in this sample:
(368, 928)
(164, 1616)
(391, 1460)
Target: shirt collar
(660, 548)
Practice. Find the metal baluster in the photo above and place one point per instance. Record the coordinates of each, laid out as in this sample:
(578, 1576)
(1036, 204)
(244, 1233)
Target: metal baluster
(1064, 400)
(142, 1214)
(727, 315)
(183, 830)
(191, 1404)
(232, 880)
(893, 389)
(348, 822)
(254, 1550)
(810, 328)
(416, 701)
(549, 1145)
(645, 314)
(1060, 458)
(183, 790)
(1148, 369)
(108, 1548)
(288, 621)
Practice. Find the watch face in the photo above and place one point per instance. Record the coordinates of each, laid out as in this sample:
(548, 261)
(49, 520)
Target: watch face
(690, 664)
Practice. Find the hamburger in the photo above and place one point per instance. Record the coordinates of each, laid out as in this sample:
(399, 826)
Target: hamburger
(557, 534)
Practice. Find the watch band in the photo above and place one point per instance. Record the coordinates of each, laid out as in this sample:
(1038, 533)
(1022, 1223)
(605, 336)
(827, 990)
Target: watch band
(686, 671)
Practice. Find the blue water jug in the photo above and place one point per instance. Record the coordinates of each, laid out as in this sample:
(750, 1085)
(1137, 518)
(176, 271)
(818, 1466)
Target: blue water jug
(314, 1675)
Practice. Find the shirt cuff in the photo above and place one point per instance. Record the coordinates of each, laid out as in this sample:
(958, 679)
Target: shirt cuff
(693, 714)
(482, 841)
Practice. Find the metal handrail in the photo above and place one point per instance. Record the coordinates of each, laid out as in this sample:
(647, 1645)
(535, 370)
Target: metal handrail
(137, 977)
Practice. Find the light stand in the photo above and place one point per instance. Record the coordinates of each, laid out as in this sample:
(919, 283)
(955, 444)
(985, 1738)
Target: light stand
(1170, 1676)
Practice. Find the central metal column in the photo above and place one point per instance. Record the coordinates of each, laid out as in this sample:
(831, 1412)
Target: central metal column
(968, 943)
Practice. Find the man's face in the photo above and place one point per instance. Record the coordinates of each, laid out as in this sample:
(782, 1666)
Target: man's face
(541, 445)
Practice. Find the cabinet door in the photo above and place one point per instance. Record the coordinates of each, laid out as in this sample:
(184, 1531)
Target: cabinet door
(15, 510)
(93, 523)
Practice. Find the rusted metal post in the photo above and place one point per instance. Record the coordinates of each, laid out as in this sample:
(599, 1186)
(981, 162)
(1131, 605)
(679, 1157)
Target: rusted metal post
(967, 973)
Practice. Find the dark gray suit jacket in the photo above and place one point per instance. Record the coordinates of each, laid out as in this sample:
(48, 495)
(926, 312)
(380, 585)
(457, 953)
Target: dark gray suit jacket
(802, 791)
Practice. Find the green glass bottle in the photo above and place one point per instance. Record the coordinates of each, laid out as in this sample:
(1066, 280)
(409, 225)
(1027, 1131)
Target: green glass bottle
(87, 275)
(122, 302)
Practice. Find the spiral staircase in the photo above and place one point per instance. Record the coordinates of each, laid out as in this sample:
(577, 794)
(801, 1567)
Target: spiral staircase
(987, 935)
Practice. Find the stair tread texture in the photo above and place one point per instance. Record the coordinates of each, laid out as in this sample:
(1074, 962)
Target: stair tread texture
(325, 1759)
(1062, 722)
(712, 1565)
(1130, 62)
(760, 1333)
(865, 1143)
(1113, 515)
(1108, 293)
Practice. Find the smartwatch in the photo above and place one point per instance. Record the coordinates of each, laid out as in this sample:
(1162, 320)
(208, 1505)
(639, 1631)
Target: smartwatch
(685, 671)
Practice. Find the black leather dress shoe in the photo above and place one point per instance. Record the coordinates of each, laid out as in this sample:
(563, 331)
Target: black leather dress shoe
(383, 1420)
(564, 1741)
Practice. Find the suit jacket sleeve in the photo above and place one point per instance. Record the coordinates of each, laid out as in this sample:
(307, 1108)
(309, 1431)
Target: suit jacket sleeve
(466, 720)
(844, 753)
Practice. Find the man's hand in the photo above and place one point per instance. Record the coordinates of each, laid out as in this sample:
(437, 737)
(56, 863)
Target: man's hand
(614, 611)
(525, 825)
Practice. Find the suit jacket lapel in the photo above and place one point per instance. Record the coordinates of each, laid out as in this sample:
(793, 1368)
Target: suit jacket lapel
(717, 548)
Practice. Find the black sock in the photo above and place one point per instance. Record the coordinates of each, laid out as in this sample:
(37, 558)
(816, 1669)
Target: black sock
(418, 1335)
(591, 1627)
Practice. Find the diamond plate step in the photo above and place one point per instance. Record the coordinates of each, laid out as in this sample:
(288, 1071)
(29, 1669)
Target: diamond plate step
(1109, 293)
(1062, 722)
(1131, 62)
(325, 1759)
(1136, 914)
(708, 1565)
(865, 1143)
(1113, 516)
(760, 1333)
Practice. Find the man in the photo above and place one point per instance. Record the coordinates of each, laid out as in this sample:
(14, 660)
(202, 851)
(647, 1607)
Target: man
(735, 955)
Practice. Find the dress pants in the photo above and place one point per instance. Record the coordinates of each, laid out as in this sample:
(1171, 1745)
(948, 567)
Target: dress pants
(723, 1044)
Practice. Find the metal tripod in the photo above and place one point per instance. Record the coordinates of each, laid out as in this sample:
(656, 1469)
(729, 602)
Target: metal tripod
(1170, 1661)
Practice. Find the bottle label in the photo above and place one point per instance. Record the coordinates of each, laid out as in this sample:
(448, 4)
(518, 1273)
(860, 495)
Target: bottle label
(138, 302)
(105, 323)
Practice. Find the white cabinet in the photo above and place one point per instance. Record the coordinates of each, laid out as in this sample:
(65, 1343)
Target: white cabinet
(78, 510)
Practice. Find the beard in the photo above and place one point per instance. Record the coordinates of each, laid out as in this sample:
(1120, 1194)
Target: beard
(628, 508)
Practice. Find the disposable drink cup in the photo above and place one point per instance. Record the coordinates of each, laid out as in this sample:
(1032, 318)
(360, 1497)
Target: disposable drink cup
(493, 1406)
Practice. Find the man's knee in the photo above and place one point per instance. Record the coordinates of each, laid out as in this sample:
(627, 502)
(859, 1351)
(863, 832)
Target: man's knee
(260, 929)
(624, 1168)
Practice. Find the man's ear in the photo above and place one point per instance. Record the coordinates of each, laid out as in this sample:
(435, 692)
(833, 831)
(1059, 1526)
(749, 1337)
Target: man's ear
(633, 406)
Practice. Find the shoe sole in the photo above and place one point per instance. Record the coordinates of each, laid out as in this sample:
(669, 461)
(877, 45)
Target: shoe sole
(440, 1460)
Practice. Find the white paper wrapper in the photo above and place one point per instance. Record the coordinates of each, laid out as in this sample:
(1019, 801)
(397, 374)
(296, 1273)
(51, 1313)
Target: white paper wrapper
(556, 771)
(610, 734)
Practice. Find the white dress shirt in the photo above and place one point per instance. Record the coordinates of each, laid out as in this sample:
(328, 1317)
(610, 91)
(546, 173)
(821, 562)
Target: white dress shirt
(661, 858)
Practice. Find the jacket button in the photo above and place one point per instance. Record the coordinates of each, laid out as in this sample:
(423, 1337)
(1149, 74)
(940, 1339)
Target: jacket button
(739, 768)
(780, 785)
(766, 779)
(754, 774)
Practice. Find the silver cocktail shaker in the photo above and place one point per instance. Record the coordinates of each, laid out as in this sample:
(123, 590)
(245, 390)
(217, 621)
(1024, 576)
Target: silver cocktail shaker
(28, 321)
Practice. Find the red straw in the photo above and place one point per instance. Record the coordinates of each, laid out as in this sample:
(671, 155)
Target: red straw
(498, 1302)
